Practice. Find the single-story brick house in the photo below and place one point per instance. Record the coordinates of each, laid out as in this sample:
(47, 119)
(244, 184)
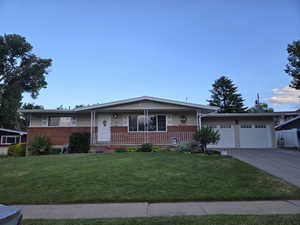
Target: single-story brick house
(9, 137)
(154, 120)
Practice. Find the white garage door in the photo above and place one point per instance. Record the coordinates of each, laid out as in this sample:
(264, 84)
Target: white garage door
(255, 136)
(226, 132)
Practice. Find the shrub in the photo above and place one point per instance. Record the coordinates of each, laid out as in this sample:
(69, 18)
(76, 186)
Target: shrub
(120, 150)
(207, 135)
(17, 150)
(40, 145)
(184, 147)
(156, 149)
(132, 149)
(161, 149)
(79, 142)
(55, 151)
(145, 148)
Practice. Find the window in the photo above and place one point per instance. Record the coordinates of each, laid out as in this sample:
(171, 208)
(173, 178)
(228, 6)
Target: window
(63, 121)
(260, 125)
(212, 126)
(153, 123)
(133, 123)
(9, 139)
(225, 126)
(162, 123)
(246, 126)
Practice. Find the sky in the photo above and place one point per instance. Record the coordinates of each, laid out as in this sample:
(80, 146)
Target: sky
(105, 50)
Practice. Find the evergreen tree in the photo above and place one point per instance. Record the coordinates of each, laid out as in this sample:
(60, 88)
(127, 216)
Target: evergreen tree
(224, 95)
(20, 71)
(293, 67)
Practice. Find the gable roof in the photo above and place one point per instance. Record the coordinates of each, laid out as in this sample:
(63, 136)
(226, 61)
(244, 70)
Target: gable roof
(13, 131)
(287, 122)
(147, 98)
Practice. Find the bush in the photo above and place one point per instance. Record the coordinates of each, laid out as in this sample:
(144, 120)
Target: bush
(120, 150)
(40, 145)
(184, 147)
(207, 135)
(79, 142)
(132, 149)
(145, 148)
(55, 151)
(161, 149)
(156, 149)
(17, 150)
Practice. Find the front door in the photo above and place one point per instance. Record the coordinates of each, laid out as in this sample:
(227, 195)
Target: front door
(104, 124)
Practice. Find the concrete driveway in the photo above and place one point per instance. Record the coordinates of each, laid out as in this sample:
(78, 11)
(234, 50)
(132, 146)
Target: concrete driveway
(281, 163)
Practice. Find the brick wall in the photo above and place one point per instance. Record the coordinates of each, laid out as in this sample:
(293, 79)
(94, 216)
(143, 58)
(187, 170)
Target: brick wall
(119, 135)
(58, 135)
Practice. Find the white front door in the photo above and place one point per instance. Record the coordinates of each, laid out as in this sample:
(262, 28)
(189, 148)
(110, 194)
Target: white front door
(104, 124)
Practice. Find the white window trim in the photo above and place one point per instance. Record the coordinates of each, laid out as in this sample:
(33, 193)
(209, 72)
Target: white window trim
(72, 124)
(246, 126)
(156, 131)
(6, 136)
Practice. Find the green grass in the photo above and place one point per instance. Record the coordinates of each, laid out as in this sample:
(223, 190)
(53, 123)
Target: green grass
(131, 177)
(180, 220)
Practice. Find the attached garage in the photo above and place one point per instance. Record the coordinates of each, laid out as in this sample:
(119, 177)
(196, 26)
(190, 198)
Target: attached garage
(242, 130)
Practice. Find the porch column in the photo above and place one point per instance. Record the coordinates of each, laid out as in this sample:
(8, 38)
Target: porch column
(146, 115)
(92, 128)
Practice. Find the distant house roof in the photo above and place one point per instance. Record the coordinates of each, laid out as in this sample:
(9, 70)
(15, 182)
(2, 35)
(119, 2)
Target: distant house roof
(121, 102)
(13, 131)
(288, 122)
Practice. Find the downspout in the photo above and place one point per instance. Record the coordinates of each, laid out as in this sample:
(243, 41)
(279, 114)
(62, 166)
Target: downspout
(199, 120)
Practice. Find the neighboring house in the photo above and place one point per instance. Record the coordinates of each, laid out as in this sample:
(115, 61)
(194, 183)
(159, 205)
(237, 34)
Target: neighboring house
(288, 133)
(153, 120)
(9, 137)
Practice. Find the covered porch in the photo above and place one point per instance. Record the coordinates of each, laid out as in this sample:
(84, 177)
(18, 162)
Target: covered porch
(136, 127)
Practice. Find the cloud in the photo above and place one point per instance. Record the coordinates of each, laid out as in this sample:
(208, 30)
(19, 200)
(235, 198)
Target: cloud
(285, 95)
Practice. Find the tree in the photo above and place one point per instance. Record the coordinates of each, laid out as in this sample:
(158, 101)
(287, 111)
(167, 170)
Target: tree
(24, 119)
(20, 71)
(224, 95)
(293, 67)
(207, 135)
(259, 108)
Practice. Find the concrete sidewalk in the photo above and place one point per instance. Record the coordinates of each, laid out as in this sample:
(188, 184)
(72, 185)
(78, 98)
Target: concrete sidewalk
(144, 209)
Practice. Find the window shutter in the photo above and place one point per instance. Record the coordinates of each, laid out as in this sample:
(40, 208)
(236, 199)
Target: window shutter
(44, 121)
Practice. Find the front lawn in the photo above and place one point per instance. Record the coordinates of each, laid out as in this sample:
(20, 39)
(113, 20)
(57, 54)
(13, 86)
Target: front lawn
(132, 177)
(180, 220)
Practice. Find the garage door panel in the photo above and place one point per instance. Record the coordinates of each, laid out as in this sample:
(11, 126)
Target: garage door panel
(255, 136)
(226, 137)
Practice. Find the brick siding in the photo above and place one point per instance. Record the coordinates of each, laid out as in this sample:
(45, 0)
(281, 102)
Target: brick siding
(58, 135)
